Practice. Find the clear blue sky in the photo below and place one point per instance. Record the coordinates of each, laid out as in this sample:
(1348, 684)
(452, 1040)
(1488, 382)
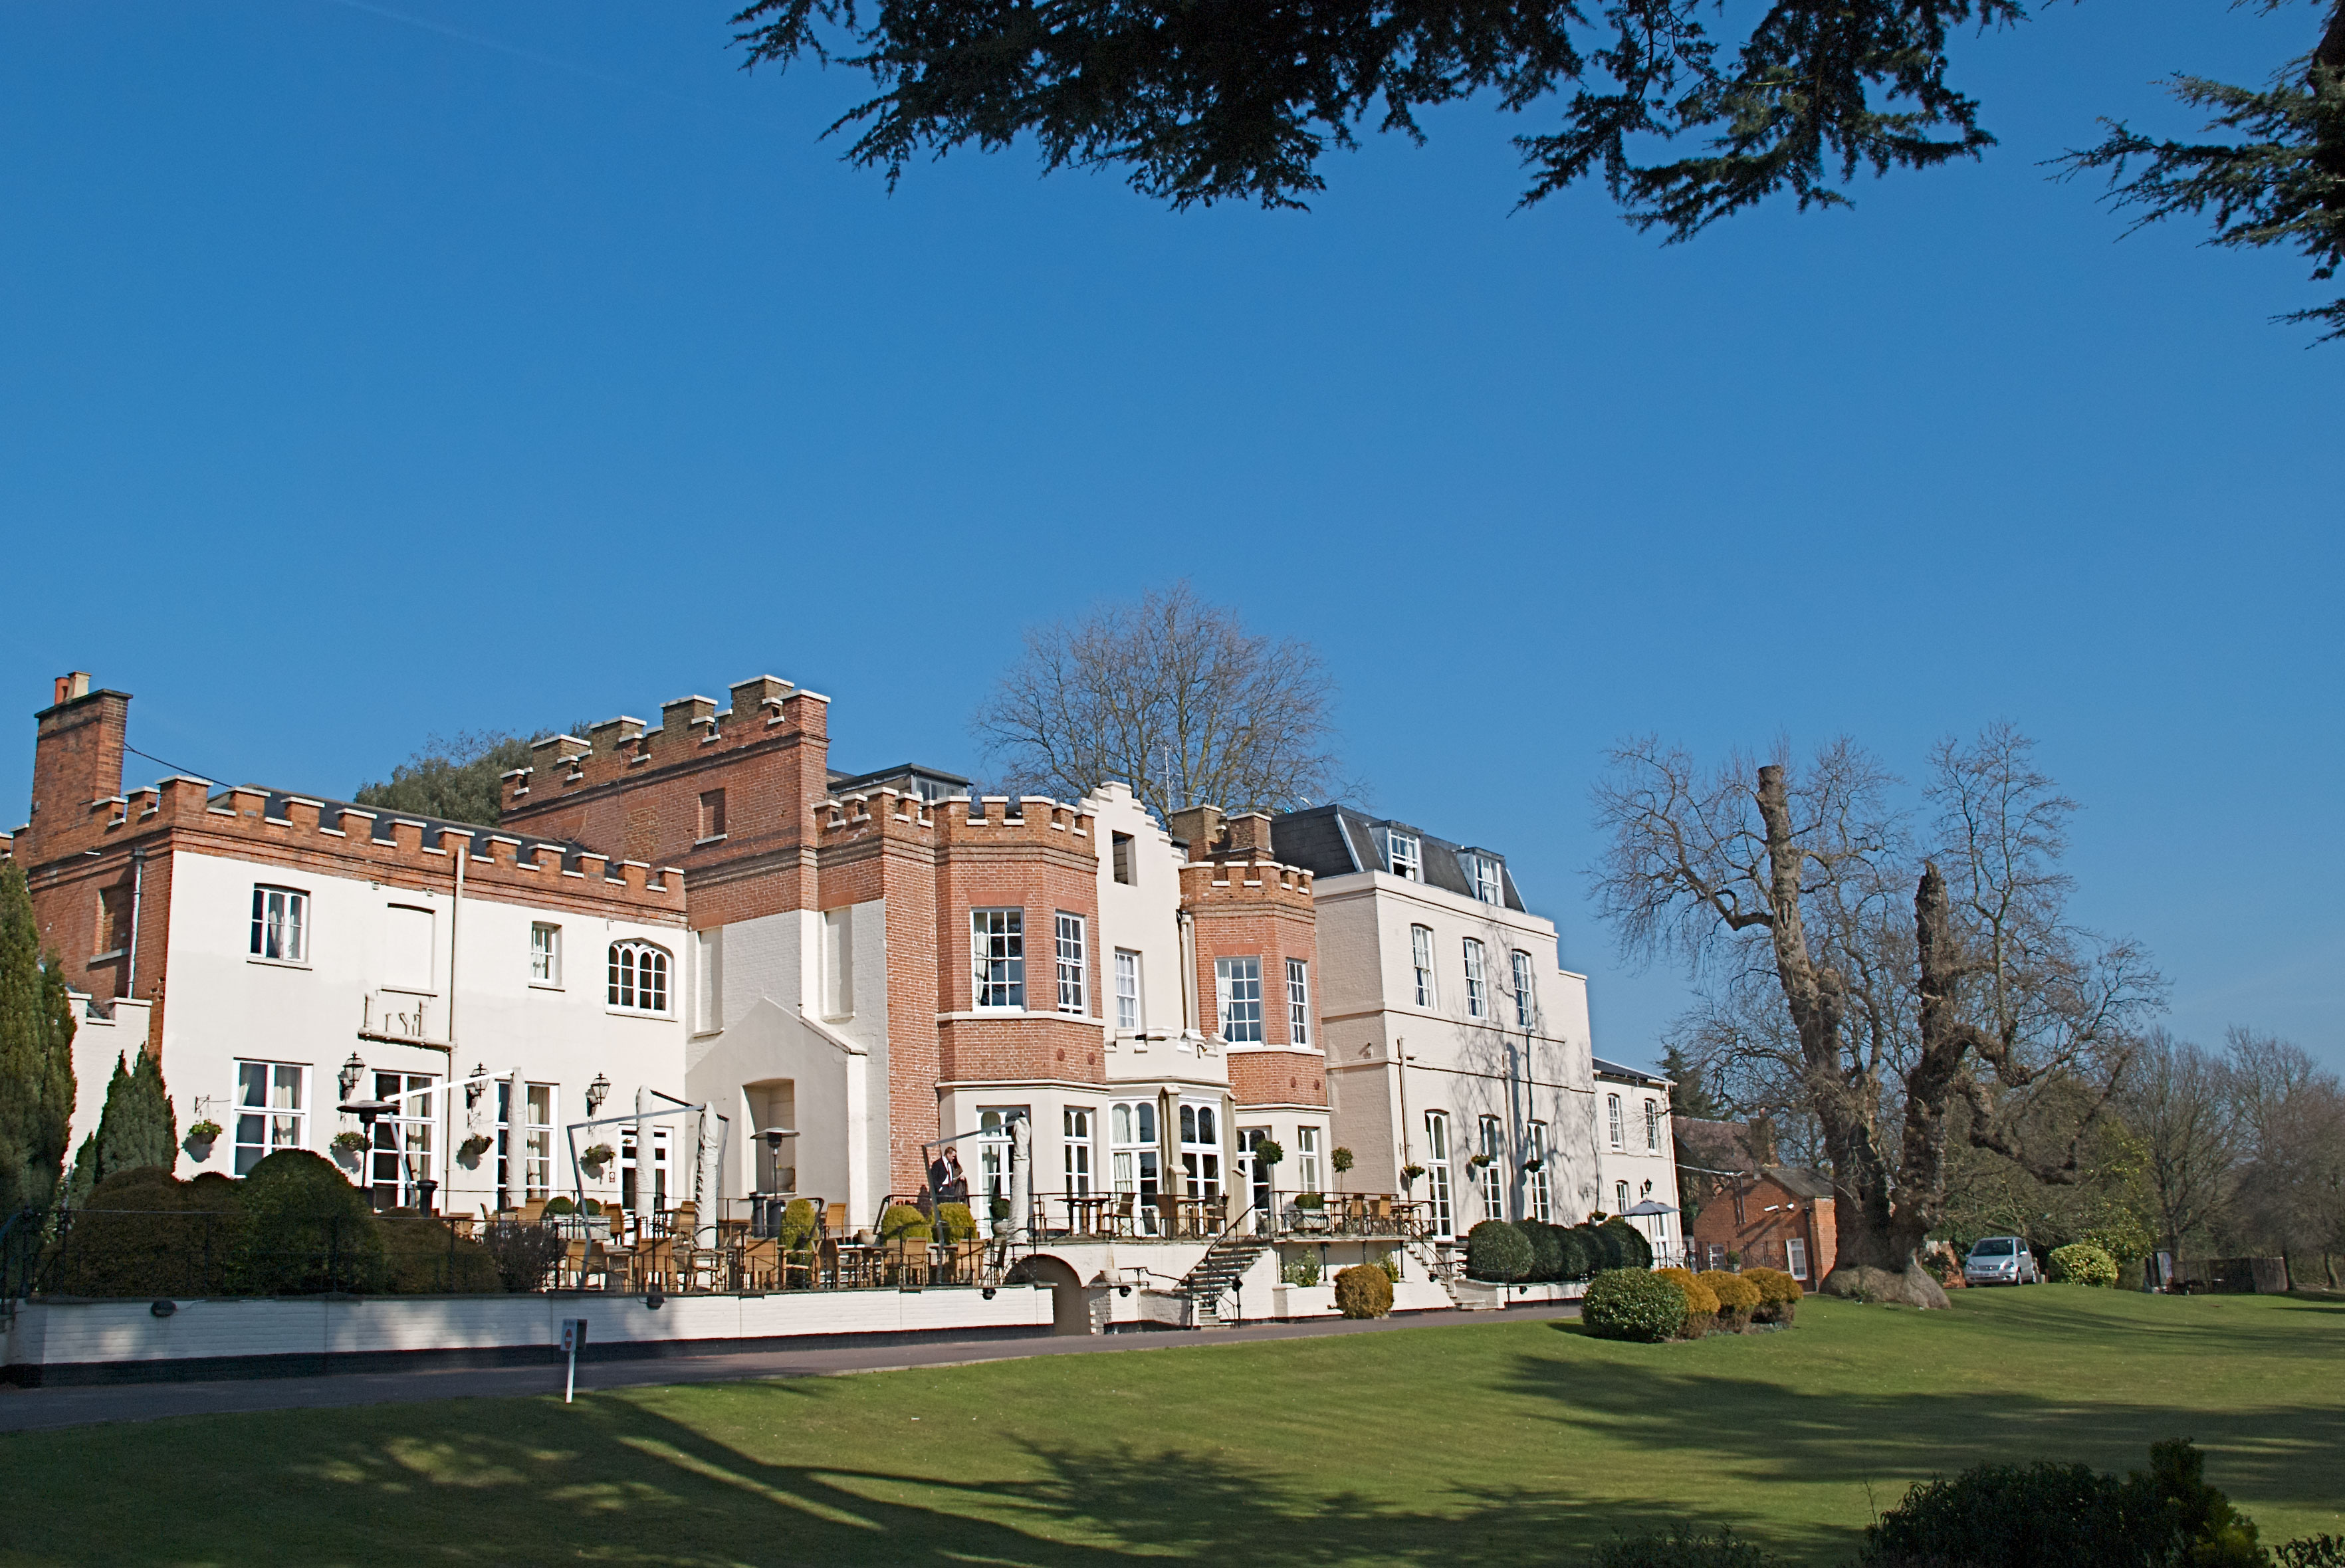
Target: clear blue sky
(359, 379)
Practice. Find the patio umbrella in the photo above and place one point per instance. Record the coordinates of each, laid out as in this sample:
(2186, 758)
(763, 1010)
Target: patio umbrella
(1645, 1209)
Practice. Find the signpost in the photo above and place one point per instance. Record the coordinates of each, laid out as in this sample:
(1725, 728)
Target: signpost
(574, 1334)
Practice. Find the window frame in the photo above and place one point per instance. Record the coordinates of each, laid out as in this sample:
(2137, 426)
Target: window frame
(1653, 1126)
(649, 970)
(710, 816)
(1081, 1145)
(1121, 859)
(1306, 1158)
(1409, 867)
(1478, 978)
(1526, 998)
(1130, 1019)
(996, 937)
(1071, 950)
(1420, 955)
(402, 1149)
(1488, 879)
(1795, 1258)
(1542, 1189)
(1233, 1027)
(546, 956)
(1617, 1125)
(266, 1112)
(268, 927)
(1436, 1175)
(1298, 1002)
(1491, 1135)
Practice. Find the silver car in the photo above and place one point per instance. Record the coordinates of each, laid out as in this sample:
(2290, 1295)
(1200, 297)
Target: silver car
(2001, 1260)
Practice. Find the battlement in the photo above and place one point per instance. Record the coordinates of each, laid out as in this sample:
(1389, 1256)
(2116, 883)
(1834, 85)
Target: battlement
(357, 840)
(764, 708)
(1253, 880)
(988, 818)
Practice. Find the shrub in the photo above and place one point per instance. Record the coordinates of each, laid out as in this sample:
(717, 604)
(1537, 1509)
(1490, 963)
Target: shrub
(1635, 1251)
(902, 1222)
(522, 1255)
(2311, 1552)
(1580, 1256)
(1390, 1264)
(2046, 1515)
(1496, 1251)
(308, 1230)
(1603, 1245)
(2082, 1262)
(554, 1206)
(1632, 1303)
(1779, 1295)
(1364, 1290)
(140, 1232)
(1681, 1549)
(1304, 1270)
(1547, 1250)
(1738, 1299)
(1701, 1302)
(794, 1230)
(419, 1260)
(954, 1222)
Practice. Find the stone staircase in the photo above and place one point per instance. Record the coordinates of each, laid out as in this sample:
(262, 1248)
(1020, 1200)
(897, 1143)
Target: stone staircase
(1228, 1258)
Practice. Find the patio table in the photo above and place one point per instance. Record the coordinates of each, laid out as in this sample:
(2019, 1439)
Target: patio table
(1087, 1215)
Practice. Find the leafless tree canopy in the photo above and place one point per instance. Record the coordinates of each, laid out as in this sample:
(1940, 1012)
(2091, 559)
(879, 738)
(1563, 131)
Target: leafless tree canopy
(1863, 974)
(1173, 695)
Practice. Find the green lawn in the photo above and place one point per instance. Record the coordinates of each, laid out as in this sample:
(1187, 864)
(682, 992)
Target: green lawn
(1491, 1443)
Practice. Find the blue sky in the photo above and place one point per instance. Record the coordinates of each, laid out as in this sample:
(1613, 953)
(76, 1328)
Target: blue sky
(359, 379)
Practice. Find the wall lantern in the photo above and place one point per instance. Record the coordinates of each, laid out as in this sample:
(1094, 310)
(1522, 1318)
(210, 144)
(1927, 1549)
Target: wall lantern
(596, 1093)
(477, 1086)
(352, 1071)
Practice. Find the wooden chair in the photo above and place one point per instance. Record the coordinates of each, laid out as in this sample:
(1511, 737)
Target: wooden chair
(531, 1213)
(835, 1219)
(906, 1262)
(1118, 1218)
(606, 1266)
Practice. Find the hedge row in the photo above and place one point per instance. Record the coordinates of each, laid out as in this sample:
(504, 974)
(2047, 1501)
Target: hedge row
(1503, 1251)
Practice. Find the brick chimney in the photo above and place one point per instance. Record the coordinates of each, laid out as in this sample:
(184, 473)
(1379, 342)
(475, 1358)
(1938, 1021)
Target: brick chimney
(77, 756)
(1199, 827)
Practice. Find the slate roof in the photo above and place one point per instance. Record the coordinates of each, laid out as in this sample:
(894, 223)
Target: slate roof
(1336, 841)
(1631, 1075)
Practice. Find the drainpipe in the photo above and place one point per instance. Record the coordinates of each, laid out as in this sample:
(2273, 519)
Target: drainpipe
(1400, 1064)
(137, 891)
(448, 1095)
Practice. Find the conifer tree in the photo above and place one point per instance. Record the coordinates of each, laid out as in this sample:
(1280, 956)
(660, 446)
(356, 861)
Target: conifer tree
(137, 1126)
(36, 1080)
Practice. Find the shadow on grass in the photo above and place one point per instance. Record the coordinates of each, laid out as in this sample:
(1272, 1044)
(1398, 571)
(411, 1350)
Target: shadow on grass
(610, 1480)
(1767, 1432)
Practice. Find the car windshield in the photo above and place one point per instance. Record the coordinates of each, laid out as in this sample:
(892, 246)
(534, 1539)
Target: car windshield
(1999, 1247)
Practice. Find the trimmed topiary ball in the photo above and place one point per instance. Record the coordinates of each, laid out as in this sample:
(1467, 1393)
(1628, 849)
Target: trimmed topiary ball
(1547, 1249)
(1633, 1304)
(1580, 1256)
(1738, 1299)
(309, 1230)
(1498, 1252)
(1635, 1251)
(1779, 1295)
(902, 1222)
(1701, 1302)
(799, 1224)
(2082, 1262)
(1603, 1247)
(1364, 1290)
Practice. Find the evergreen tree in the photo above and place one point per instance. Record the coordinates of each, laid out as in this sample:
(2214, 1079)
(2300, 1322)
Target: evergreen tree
(84, 1180)
(1689, 1092)
(36, 1079)
(137, 1126)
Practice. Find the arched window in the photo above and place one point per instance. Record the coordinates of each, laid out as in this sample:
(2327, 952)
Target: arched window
(639, 977)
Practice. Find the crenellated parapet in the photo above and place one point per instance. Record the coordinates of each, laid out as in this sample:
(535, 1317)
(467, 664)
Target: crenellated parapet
(1254, 881)
(765, 711)
(989, 821)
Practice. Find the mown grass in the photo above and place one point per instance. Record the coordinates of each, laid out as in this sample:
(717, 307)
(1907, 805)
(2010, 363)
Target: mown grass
(1488, 1443)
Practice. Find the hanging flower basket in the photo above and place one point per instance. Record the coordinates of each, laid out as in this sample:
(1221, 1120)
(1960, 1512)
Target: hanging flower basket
(474, 1148)
(352, 1143)
(204, 1132)
(599, 1155)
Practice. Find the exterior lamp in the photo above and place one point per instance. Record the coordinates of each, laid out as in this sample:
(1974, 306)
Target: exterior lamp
(352, 1071)
(476, 1088)
(596, 1093)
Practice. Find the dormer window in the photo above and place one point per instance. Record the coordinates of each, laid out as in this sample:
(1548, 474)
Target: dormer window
(1404, 856)
(1489, 883)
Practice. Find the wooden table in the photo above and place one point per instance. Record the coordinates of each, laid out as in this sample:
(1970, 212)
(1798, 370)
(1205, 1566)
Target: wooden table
(1087, 1215)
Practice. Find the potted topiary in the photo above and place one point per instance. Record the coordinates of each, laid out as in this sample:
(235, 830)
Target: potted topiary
(1341, 1159)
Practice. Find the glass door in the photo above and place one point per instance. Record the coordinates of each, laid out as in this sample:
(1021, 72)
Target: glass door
(1254, 1179)
(1437, 1172)
(1134, 1155)
(401, 1156)
(1200, 1150)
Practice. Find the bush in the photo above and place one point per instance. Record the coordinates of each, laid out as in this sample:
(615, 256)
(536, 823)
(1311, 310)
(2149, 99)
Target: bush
(1364, 1290)
(1633, 1249)
(1546, 1251)
(955, 1222)
(1779, 1295)
(307, 1229)
(1632, 1303)
(796, 1229)
(1675, 1550)
(558, 1205)
(140, 1232)
(1580, 1255)
(2311, 1552)
(1701, 1302)
(2051, 1515)
(1304, 1270)
(418, 1261)
(902, 1222)
(522, 1255)
(1738, 1299)
(1390, 1264)
(1496, 1251)
(2082, 1262)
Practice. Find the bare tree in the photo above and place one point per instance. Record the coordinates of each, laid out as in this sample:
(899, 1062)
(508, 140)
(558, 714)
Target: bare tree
(2290, 1114)
(1767, 879)
(2177, 1101)
(1173, 695)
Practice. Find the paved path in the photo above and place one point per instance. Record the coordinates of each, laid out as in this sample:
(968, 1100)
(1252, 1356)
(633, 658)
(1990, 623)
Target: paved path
(32, 1409)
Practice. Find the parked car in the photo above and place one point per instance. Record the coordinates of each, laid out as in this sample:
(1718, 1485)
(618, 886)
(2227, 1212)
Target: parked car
(2001, 1260)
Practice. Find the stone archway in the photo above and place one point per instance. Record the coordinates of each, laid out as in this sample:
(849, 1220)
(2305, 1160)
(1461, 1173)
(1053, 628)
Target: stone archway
(1070, 1298)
